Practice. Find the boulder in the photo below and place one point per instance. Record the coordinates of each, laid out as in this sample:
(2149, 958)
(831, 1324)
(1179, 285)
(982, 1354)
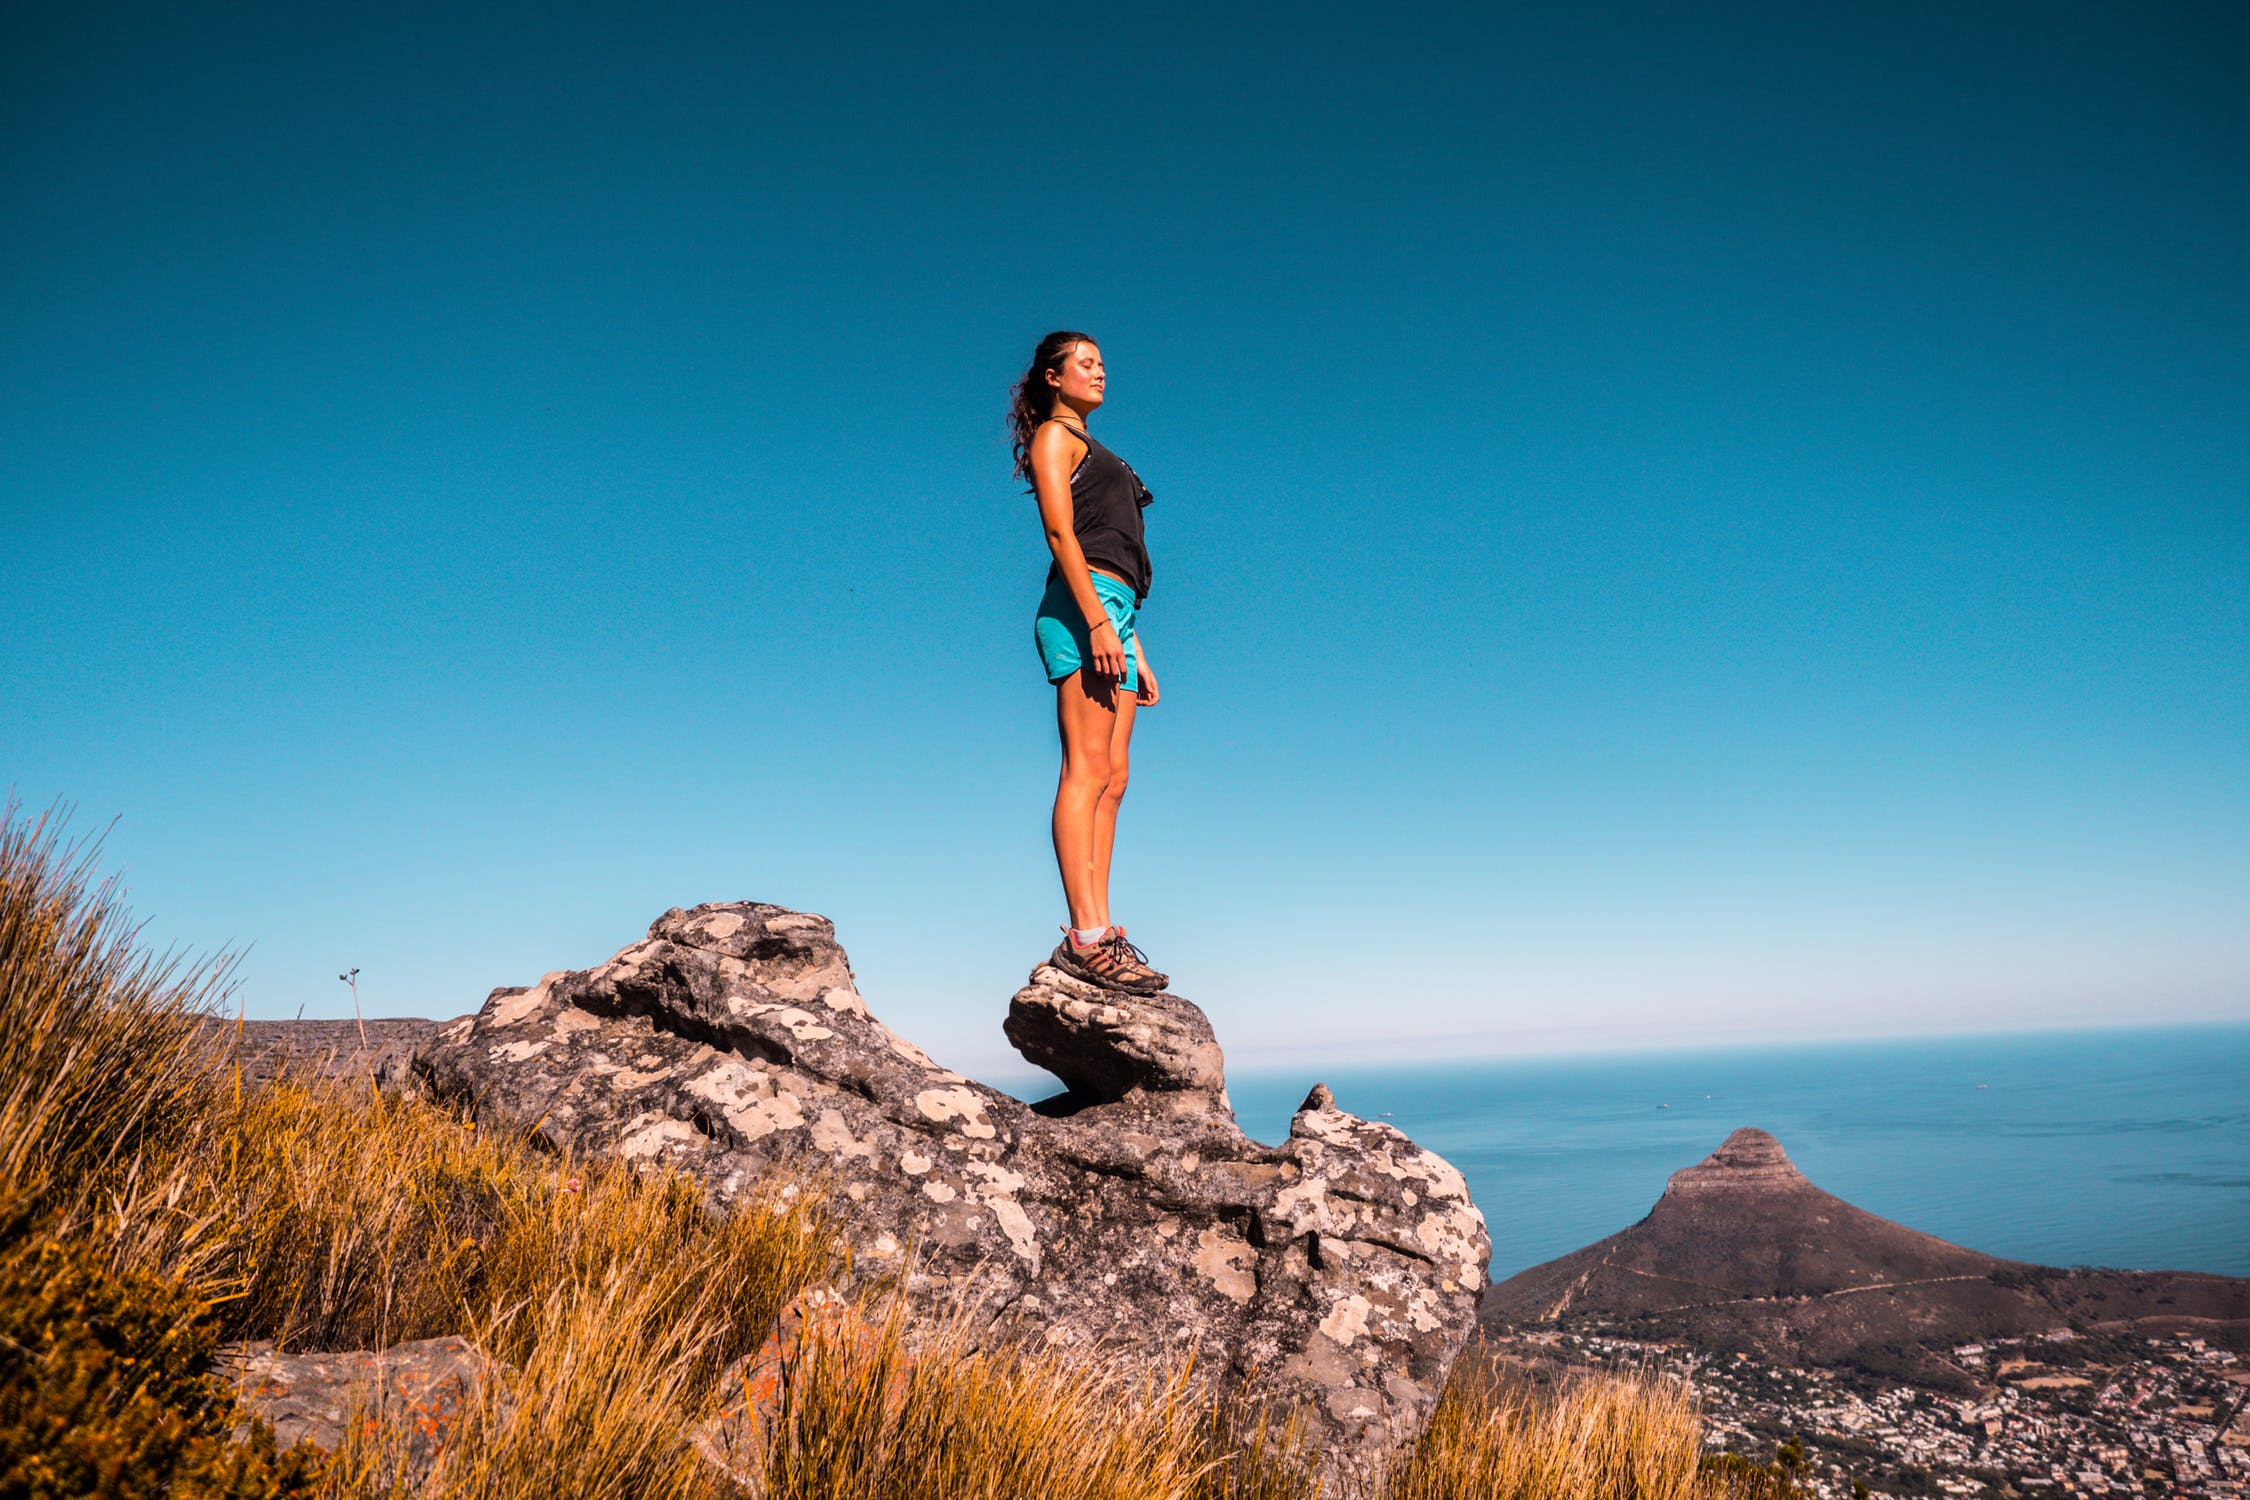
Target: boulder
(754, 1391)
(1337, 1272)
(1105, 1045)
(423, 1388)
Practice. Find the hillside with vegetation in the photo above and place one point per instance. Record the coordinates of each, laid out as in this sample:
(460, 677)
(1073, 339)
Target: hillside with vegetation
(164, 1209)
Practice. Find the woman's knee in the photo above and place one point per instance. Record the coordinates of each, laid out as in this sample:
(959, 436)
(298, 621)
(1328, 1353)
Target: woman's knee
(1113, 785)
(1089, 773)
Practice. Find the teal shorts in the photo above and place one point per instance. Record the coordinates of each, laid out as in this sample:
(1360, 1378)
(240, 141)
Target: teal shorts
(1060, 629)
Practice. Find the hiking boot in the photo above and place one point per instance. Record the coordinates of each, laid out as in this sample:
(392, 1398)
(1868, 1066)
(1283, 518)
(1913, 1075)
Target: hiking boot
(1111, 963)
(1163, 981)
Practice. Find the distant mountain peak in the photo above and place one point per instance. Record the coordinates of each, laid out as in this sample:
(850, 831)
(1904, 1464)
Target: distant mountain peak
(1742, 1252)
(1747, 1160)
(1743, 1223)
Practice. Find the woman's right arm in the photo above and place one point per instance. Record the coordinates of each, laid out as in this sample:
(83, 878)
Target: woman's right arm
(1055, 451)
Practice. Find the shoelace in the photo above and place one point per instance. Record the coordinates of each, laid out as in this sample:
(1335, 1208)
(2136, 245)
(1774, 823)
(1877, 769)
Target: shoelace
(1124, 952)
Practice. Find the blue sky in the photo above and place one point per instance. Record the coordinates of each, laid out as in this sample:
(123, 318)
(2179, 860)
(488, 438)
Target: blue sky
(1671, 526)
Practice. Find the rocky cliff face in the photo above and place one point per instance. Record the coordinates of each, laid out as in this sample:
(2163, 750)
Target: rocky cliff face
(1340, 1269)
(1748, 1161)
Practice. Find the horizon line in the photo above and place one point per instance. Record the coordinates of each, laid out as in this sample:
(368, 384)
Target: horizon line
(1492, 1048)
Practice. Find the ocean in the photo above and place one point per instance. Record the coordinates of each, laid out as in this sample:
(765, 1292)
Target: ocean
(2114, 1148)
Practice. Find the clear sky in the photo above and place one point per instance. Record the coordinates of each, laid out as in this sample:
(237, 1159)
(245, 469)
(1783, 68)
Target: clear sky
(1673, 523)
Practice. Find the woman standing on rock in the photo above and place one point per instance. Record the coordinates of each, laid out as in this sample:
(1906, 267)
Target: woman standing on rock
(1090, 503)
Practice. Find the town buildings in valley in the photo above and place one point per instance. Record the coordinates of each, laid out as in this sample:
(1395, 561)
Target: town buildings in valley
(2059, 1416)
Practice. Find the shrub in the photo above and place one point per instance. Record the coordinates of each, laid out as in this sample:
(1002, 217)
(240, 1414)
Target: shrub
(104, 1389)
(1730, 1476)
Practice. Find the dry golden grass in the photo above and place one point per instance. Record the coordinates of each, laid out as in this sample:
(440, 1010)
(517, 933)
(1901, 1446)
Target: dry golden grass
(1599, 1437)
(327, 1216)
(615, 1298)
(886, 1410)
(347, 1219)
(891, 1417)
(353, 1219)
(101, 1053)
(1252, 1453)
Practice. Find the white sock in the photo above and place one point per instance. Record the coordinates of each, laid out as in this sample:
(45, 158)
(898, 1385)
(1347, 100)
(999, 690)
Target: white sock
(1086, 937)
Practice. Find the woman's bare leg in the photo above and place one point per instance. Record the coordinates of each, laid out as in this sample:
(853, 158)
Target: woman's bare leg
(1113, 793)
(1086, 714)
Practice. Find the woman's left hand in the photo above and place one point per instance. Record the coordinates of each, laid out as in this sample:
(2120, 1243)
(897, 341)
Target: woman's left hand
(1147, 693)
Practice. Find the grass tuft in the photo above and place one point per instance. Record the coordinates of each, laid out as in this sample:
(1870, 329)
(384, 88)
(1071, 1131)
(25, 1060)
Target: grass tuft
(614, 1298)
(1598, 1437)
(103, 1048)
(885, 1409)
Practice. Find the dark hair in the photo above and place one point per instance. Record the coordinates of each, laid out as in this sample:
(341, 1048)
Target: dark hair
(1035, 399)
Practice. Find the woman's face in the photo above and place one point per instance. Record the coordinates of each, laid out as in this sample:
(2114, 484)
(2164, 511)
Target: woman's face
(1079, 379)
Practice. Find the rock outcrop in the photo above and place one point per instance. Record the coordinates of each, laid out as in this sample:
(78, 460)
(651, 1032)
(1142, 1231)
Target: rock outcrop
(1106, 1047)
(428, 1385)
(1339, 1269)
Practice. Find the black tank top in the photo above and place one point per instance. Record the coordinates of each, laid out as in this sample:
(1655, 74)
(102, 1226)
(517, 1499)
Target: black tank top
(1106, 498)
